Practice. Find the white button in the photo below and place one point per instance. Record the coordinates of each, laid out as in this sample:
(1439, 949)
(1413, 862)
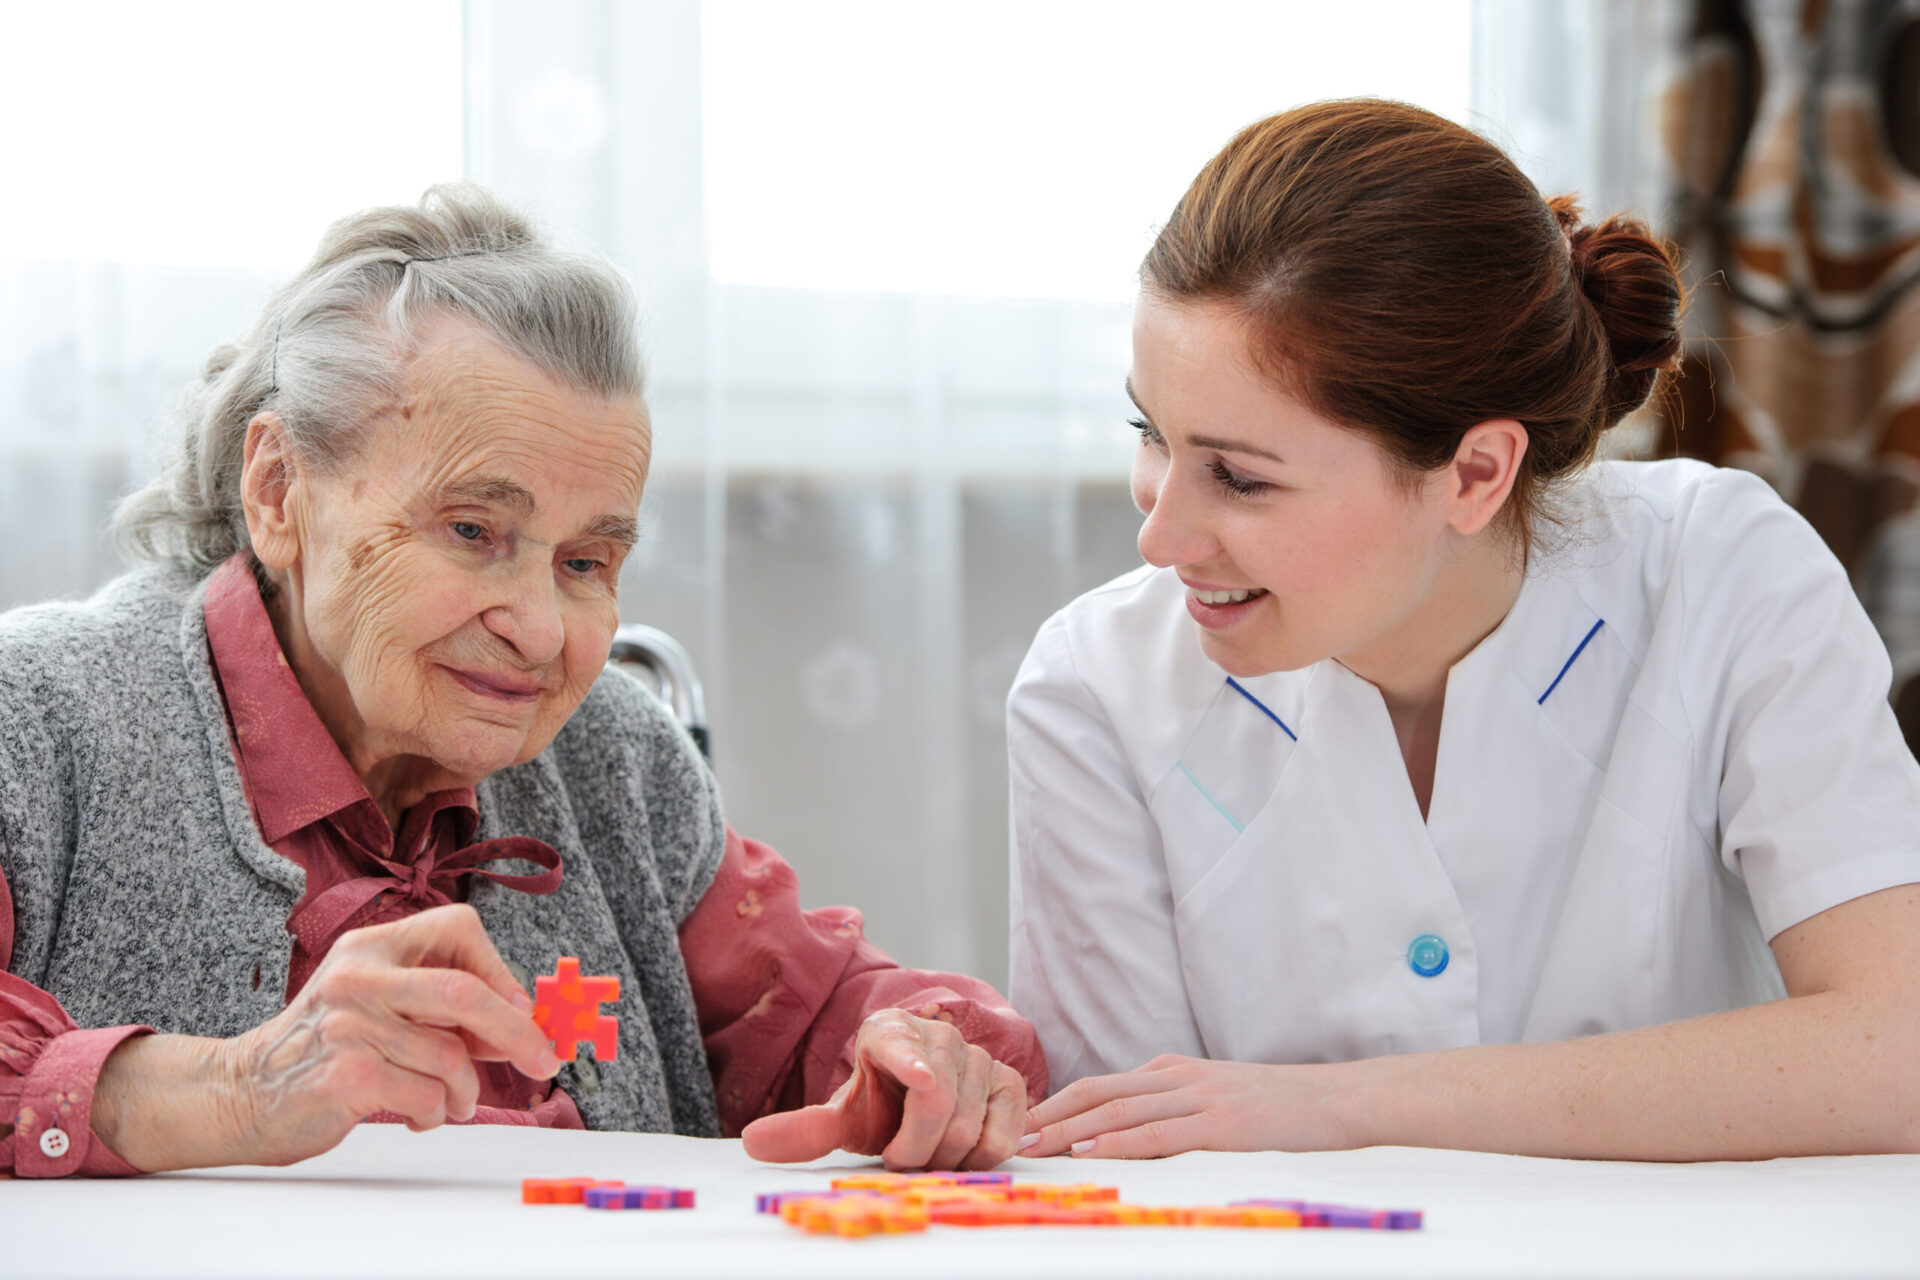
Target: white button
(54, 1143)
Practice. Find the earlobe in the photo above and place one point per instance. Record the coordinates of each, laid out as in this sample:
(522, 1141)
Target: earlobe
(1485, 468)
(268, 480)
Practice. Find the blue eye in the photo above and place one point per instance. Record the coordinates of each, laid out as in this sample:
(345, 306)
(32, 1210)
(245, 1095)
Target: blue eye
(582, 566)
(468, 531)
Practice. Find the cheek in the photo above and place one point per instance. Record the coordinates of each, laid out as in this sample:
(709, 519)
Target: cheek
(401, 604)
(1329, 555)
(589, 638)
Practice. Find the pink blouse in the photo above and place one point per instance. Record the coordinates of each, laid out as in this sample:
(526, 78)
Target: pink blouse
(780, 992)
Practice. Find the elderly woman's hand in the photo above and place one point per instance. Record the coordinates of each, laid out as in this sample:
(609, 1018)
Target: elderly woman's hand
(393, 1020)
(920, 1097)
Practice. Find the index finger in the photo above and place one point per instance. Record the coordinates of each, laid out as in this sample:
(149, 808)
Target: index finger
(1089, 1092)
(452, 937)
(898, 1049)
(460, 1001)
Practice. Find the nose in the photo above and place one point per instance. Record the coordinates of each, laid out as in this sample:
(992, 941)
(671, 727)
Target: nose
(1174, 531)
(529, 617)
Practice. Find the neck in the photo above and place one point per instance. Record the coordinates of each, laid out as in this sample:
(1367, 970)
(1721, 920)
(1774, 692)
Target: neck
(1469, 598)
(395, 779)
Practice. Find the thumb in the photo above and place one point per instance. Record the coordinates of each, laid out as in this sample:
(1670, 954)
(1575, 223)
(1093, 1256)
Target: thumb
(793, 1136)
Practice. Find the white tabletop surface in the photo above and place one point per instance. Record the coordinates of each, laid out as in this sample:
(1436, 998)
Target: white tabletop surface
(390, 1202)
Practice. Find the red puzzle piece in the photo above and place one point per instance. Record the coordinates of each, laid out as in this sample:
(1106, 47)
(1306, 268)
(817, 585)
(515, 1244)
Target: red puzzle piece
(567, 1007)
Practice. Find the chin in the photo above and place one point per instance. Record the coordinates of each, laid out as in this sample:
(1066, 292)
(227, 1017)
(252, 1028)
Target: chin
(1244, 662)
(481, 755)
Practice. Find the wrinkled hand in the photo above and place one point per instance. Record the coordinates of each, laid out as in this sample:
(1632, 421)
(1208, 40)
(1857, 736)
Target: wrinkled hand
(920, 1097)
(393, 1020)
(1176, 1104)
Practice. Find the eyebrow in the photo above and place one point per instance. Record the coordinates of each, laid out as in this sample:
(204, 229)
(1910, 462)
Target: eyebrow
(492, 492)
(1216, 443)
(615, 529)
(495, 491)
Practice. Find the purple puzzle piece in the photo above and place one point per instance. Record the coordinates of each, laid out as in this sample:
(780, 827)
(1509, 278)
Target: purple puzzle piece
(614, 1197)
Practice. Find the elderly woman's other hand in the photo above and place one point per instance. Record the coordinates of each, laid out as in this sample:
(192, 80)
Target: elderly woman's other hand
(920, 1097)
(393, 1020)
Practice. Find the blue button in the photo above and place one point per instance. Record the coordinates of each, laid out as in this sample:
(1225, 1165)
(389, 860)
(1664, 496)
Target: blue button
(1427, 956)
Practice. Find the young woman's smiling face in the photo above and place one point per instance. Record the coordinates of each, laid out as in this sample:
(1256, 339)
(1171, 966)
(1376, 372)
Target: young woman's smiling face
(1296, 537)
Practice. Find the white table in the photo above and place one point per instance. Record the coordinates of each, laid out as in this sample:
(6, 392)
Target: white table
(390, 1202)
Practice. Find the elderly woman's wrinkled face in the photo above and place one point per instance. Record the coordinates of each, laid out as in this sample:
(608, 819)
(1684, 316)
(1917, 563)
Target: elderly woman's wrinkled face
(451, 589)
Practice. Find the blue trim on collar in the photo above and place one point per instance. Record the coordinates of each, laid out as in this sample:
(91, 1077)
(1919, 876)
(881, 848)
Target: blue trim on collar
(1577, 651)
(1241, 689)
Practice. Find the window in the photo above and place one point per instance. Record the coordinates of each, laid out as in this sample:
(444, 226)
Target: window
(219, 135)
(1010, 148)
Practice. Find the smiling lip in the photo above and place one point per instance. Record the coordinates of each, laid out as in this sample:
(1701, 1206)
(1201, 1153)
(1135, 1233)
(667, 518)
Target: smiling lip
(496, 687)
(1218, 617)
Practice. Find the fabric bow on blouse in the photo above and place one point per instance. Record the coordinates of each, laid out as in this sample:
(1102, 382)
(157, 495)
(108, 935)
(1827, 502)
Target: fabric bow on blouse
(430, 862)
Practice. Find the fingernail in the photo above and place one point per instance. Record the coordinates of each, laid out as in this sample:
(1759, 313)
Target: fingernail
(1083, 1146)
(1028, 1141)
(923, 1066)
(521, 1002)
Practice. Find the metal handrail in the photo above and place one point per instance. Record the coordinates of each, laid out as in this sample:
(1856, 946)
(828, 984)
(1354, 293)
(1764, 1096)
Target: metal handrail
(671, 667)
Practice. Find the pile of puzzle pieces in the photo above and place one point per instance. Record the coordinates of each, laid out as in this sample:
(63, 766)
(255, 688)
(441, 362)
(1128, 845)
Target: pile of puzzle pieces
(876, 1204)
(595, 1194)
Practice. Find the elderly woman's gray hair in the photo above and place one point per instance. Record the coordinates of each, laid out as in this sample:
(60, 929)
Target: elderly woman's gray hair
(332, 347)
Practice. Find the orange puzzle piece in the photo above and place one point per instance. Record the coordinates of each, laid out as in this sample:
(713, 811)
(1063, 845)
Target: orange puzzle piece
(567, 1007)
(860, 1216)
(558, 1190)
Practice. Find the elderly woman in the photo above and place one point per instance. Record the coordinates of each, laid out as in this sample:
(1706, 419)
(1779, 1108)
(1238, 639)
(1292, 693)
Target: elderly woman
(256, 801)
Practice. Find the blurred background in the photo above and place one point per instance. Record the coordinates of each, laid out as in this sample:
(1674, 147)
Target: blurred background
(887, 253)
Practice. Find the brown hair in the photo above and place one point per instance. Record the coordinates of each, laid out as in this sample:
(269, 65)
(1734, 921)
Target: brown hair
(1402, 276)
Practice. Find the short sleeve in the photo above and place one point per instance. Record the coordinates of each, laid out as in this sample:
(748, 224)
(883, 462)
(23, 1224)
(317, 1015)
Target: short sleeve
(1819, 794)
(1095, 962)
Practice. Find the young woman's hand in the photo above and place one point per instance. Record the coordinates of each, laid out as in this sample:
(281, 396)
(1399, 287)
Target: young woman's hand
(1176, 1104)
(920, 1097)
(392, 1020)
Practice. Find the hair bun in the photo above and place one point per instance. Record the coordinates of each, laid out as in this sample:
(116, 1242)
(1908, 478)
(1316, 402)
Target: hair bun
(1632, 280)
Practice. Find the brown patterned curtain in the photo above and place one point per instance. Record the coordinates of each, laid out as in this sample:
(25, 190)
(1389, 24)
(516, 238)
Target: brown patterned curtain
(1793, 131)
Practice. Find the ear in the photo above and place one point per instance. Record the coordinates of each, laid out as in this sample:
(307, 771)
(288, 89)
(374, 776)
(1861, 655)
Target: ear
(1483, 472)
(269, 477)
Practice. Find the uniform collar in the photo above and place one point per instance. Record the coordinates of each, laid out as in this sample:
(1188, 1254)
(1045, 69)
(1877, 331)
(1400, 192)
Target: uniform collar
(1539, 642)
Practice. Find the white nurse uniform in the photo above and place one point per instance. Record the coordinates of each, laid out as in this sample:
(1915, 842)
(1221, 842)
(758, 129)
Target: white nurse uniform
(1675, 746)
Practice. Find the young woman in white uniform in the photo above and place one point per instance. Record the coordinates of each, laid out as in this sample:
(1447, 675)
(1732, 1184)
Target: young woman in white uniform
(1431, 785)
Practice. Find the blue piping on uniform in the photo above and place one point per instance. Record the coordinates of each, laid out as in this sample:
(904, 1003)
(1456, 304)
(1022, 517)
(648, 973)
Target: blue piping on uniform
(1578, 650)
(1263, 706)
(1181, 765)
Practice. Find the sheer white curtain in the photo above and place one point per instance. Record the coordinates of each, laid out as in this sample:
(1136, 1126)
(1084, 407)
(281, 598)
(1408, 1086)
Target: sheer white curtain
(887, 255)
(161, 167)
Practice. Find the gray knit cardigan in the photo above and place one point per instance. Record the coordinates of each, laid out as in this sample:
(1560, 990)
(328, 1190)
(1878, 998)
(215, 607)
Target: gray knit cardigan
(143, 892)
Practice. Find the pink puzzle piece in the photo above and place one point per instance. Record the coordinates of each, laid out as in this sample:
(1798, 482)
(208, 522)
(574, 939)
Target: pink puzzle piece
(567, 1007)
